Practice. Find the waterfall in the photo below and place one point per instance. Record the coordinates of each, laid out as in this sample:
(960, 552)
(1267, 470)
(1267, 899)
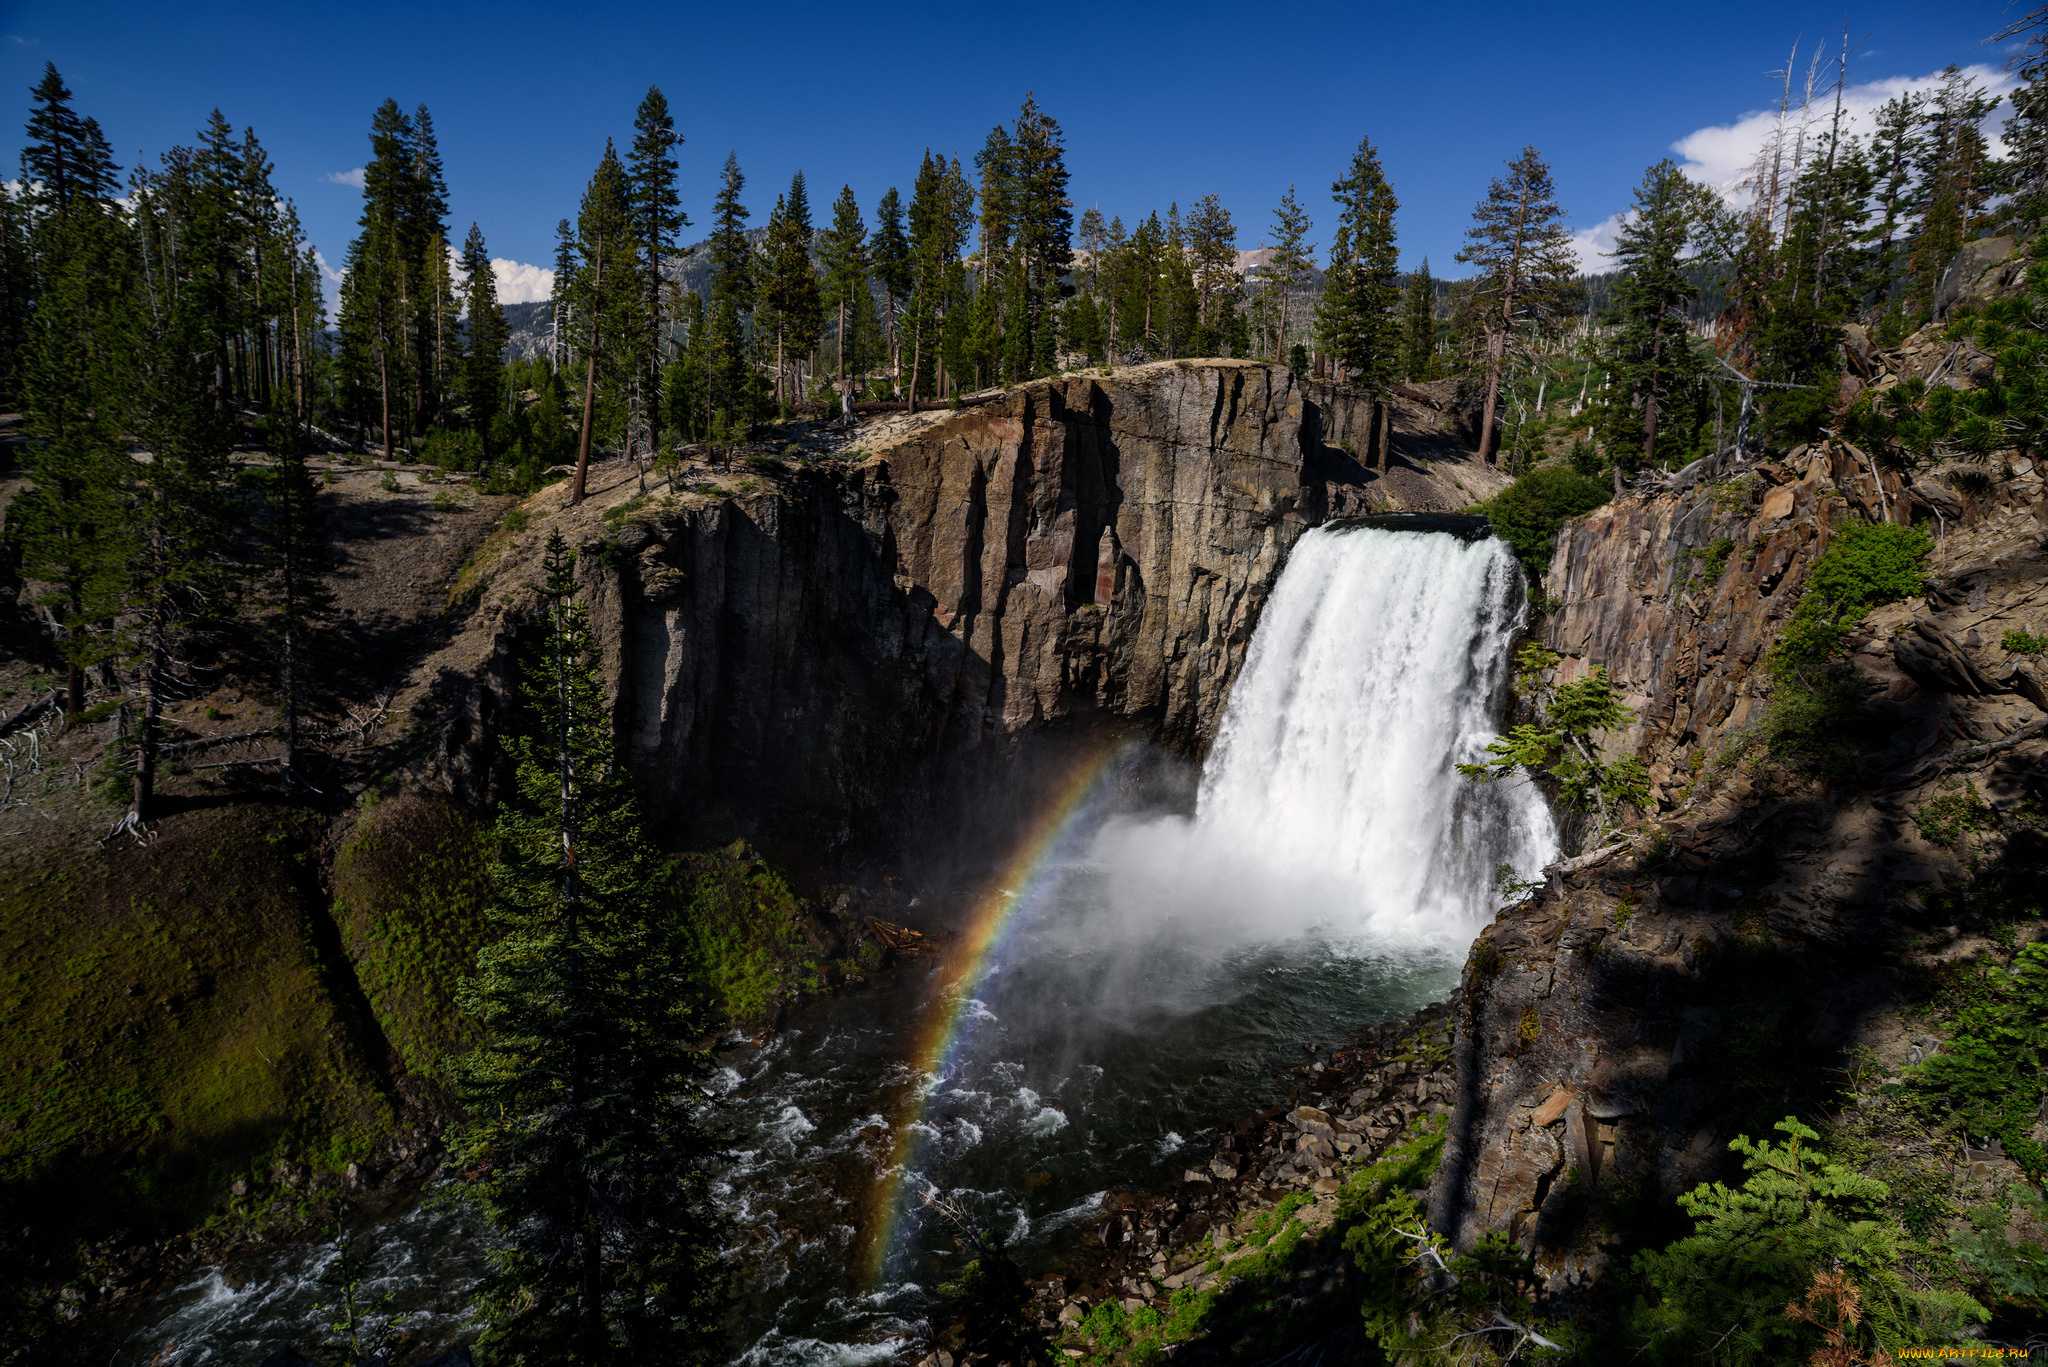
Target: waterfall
(1330, 802)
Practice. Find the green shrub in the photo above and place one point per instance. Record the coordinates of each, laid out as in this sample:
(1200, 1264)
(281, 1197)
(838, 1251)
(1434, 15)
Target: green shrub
(767, 465)
(1989, 1075)
(2021, 643)
(1799, 1219)
(1528, 513)
(1816, 696)
(517, 520)
(1713, 560)
(1954, 813)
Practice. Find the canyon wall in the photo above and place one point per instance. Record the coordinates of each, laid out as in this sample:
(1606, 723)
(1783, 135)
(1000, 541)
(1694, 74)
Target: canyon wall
(1727, 966)
(814, 648)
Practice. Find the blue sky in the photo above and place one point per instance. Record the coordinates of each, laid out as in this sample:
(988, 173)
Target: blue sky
(1158, 103)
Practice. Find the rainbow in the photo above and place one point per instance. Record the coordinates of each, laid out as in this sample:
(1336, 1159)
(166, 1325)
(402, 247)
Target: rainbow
(1065, 822)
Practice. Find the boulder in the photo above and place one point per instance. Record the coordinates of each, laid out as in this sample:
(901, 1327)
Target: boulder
(1936, 661)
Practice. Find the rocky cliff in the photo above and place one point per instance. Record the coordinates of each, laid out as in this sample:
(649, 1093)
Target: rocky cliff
(814, 644)
(1729, 965)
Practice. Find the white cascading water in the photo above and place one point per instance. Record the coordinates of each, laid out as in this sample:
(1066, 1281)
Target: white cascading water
(1330, 801)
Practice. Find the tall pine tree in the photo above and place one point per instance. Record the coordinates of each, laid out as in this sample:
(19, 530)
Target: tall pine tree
(1288, 264)
(1358, 320)
(606, 299)
(657, 217)
(1650, 352)
(582, 1127)
(1526, 269)
(846, 294)
(483, 367)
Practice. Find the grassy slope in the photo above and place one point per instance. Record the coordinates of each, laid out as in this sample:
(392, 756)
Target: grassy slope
(411, 885)
(170, 1016)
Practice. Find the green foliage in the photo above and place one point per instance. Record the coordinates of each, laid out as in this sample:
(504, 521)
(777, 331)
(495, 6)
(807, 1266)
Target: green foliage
(1816, 696)
(1409, 1313)
(1723, 1292)
(411, 887)
(581, 1135)
(1356, 319)
(1650, 352)
(1713, 560)
(1955, 812)
(749, 928)
(1528, 513)
(2016, 1269)
(1989, 1075)
(2017, 642)
(1560, 744)
(360, 1326)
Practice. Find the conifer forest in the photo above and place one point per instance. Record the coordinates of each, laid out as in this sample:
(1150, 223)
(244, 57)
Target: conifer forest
(943, 778)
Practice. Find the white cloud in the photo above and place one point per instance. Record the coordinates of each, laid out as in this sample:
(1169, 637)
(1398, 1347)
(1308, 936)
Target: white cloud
(1721, 155)
(330, 285)
(1592, 244)
(519, 283)
(354, 177)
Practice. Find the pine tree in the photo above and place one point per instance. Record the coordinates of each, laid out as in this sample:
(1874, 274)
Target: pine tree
(2026, 129)
(1526, 268)
(563, 276)
(790, 288)
(1288, 266)
(1116, 270)
(1816, 286)
(381, 278)
(582, 1131)
(65, 157)
(1651, 352)
(74, 372)
(927, 265)
(1418, 326)
(1043, 218)
(890, 257)
(294, 558)
(426, 233)
(156, 587)
(1212, 252)
(17, 294)
(1178, 293)
(1358, 299)
(1894, 152)
(657, 217)
(483, 372)
(845, 251)
(732, 298)
(606, 298)
(1957, 178)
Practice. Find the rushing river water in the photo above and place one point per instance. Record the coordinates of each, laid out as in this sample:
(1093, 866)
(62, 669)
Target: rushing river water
(1131, 981)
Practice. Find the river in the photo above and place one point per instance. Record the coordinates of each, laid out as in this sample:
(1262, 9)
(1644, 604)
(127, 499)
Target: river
(1128, 981)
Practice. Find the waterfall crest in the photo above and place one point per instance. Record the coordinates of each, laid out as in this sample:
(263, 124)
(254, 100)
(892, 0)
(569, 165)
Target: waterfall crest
(1330, 801)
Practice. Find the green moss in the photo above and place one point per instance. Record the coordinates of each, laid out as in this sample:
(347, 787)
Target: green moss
(172, 1014)
(411, 887)
(754, 932)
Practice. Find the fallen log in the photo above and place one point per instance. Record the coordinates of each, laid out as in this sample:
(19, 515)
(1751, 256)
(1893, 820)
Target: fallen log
(30, 712)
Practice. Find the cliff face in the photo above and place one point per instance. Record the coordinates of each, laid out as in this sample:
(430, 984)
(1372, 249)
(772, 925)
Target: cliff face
(1720, 971)
(816, 648)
